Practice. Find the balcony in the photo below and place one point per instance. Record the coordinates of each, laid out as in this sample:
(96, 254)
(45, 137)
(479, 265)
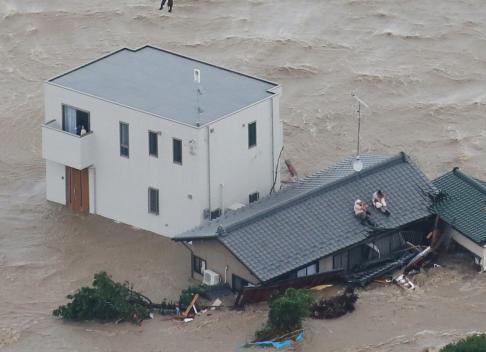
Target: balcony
(67, 148)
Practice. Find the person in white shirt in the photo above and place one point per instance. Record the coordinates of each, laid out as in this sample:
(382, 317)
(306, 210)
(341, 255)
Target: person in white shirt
(379, 202)
(83, 131)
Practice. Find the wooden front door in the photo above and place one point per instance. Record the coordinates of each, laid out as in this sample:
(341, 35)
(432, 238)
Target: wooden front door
(77, 189)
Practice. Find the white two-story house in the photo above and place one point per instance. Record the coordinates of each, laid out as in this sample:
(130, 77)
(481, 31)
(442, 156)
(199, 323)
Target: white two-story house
(158, 140)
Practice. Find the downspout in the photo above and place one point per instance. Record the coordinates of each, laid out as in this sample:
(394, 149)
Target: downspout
(221, 186)
(209, 171)
(94, 190)
(192, 256)
(273, 143)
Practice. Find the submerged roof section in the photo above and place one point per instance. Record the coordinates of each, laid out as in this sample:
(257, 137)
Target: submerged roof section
(315, 218)
(465, 204)
(162, 83)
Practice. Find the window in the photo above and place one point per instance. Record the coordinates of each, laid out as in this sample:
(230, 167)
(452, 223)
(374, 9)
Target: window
(153, 144)
(252, 134)
(237, 283)
(254, 197)
(356, 256)
(124, 151)
(153, 201)
(340, 261)
(308, 270)
(177, 150)
(74, 120)
(198, 265)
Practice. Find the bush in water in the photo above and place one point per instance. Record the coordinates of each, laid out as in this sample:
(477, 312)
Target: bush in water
(107, 300)
(286, 313)
(474, 343)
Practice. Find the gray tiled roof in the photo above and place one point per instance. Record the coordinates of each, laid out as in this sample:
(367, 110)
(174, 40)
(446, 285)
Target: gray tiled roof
(161, 83)
(315, 217)
(465, 205)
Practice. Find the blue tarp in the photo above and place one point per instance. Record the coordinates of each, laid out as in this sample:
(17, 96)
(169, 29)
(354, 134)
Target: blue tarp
(279, 344)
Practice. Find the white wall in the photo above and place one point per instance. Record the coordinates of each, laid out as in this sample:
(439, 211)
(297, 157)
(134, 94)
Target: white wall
(55, 182)
(92, 189)
(240, 169)
(122, 183)
(119, 185)
(471, 246)
(219, 259)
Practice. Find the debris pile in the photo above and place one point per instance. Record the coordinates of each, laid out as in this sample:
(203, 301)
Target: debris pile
(110, 301)
(335, 307)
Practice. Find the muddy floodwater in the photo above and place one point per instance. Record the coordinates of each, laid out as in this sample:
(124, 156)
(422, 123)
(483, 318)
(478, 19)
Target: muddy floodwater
(419, 64)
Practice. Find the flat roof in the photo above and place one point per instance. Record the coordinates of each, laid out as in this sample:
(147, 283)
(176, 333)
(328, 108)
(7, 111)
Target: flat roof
(161, 82)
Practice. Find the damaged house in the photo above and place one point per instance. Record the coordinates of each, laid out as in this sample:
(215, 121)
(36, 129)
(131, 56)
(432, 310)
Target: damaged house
(464, 208)
(310, 227)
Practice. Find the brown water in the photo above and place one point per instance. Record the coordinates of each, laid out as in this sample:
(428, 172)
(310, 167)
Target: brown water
(420, 65)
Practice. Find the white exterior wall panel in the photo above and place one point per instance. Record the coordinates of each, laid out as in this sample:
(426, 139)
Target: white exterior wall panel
(471, 246)
(55, 182)
(240, 169)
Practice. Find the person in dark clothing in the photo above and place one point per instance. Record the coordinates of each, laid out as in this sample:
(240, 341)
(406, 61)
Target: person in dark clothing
(361, 211)
(170, 3)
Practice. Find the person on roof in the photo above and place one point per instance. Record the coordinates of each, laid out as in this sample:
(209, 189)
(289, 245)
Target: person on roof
(362, 212)
(379, 202)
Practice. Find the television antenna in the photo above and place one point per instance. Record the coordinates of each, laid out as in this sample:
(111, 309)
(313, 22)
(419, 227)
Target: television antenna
(199, 93)
(357, 163)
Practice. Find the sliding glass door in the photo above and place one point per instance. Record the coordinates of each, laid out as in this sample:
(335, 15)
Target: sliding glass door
(74, 120)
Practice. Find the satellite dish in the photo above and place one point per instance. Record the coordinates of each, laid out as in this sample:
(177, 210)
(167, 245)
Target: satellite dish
(357, 164)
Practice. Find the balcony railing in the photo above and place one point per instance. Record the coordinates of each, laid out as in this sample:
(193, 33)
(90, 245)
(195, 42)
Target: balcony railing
(67, 148)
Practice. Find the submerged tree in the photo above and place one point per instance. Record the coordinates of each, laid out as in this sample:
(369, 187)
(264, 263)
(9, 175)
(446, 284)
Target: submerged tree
(286, 313)
(107, 300)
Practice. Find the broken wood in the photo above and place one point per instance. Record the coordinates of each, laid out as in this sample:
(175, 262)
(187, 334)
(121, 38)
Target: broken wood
(418, 259)
(291, 168)
(320, 287)
(413, 246)
(190, 306)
